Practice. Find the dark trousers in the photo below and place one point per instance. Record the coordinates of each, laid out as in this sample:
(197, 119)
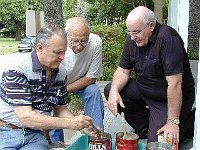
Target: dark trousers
(143, 112)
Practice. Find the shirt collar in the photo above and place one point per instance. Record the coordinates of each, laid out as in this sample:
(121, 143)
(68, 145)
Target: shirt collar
(89, 38)
(155, 33)
(36, 64)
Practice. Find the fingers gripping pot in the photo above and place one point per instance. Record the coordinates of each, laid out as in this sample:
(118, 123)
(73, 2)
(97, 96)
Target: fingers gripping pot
(126, 141)
(101, 142)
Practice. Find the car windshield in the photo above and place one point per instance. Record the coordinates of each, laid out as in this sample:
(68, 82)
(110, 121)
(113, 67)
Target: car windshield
(28, 40)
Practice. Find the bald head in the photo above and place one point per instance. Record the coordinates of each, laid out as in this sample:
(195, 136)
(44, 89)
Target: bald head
(140, 25)
(141, 14)
(77, 26)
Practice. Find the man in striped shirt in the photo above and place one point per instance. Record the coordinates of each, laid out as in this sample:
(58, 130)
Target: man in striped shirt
(31, 89)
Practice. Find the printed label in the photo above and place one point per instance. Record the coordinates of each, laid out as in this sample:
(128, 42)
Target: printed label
(97, 147)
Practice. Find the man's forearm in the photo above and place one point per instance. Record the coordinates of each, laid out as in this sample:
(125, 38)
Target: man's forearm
(120, 79)
(80, 84)
(174, 103)
(40, 121)
(174, 96)
(36, 120)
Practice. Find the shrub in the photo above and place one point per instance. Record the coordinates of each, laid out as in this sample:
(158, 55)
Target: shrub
(193, 54)
(113, 41)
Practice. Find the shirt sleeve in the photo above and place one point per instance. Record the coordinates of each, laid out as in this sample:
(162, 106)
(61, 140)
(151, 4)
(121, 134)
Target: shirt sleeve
(173, 56)
(15, 88)
(96, 68)
(125, 61)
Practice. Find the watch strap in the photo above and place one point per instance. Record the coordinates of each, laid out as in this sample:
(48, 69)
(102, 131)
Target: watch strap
(173, 121)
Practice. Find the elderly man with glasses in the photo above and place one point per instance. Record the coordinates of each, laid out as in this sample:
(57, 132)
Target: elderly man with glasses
(160, 97)
(83, 61)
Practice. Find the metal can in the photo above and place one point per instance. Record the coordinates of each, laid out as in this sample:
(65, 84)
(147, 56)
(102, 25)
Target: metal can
(102, 142)
(126, 141)
(157, 146)
(162, 139)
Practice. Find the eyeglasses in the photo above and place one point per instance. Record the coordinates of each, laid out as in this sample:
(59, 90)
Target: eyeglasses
(135, 33)
(77, 43)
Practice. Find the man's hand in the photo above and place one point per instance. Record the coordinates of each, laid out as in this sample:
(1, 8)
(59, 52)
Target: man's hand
(171, 130)
(80, 122)
(113, 100)
(92, 131)
(120, 79)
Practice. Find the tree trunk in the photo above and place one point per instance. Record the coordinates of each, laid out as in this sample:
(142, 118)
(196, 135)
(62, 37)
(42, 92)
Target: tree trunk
(53, 12)
(194, 25)
(158, 10)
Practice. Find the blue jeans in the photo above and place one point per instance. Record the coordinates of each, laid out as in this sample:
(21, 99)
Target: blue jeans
(93, 107)
(22, 139)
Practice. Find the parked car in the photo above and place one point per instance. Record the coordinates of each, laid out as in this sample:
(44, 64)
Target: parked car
(27, 44)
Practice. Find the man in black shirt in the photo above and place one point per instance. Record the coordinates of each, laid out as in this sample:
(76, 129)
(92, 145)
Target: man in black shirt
(162, 94)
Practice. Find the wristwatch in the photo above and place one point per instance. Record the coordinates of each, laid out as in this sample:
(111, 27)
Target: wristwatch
(173, 121)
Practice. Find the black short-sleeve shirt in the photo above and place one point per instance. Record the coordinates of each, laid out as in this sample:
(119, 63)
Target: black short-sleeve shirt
(163, 56)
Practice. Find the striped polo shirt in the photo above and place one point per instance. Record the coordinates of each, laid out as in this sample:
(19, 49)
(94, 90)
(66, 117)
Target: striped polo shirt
(23, 84)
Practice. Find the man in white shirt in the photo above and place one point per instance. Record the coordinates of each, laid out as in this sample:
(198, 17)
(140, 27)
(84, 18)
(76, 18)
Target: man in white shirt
(83, 61)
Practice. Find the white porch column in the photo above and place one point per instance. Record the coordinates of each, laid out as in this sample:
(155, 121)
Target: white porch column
(178, 18)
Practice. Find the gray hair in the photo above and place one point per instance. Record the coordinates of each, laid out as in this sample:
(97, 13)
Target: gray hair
(46, 33)
(148, 16)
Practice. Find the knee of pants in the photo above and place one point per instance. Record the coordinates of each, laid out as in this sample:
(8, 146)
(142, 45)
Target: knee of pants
(92, 89)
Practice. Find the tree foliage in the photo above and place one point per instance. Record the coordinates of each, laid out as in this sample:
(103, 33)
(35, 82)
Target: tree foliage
(68, 8)
(13, 13)
(113, 11)
(108, 12)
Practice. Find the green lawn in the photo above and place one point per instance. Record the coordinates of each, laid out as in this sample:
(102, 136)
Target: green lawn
(8, 45)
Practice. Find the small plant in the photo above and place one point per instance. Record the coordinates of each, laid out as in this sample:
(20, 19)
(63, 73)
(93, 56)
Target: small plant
(74, 104)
